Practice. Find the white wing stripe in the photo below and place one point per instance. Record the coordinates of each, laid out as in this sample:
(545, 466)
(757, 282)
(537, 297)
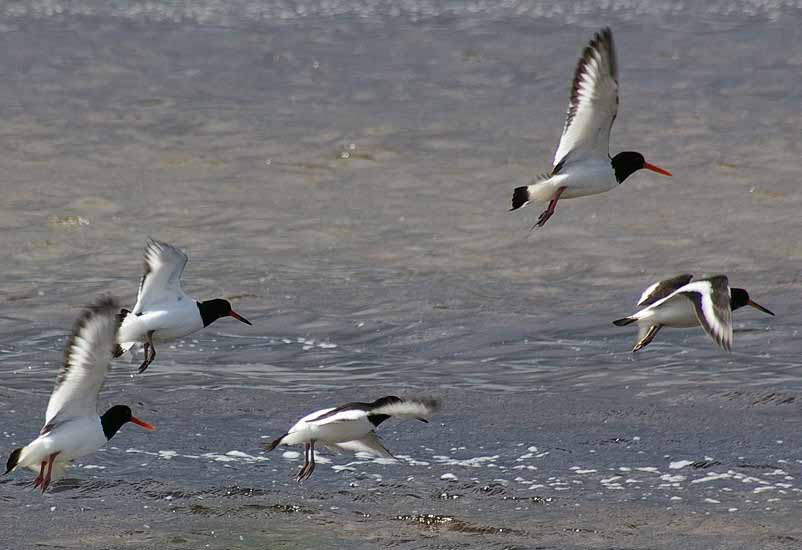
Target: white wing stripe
(594, 100)
(339, 416)
(647, 293)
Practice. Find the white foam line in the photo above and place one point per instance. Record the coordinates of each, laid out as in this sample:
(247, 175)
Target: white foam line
(476, 462)
(712, 477)
(140, 451)
(672, 479)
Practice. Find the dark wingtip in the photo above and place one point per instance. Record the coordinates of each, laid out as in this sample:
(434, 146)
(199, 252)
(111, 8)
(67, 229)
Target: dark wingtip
(432, 402)
(13, 460)
(103, 305)
(519, 197)
(623, 322)
(273, 444)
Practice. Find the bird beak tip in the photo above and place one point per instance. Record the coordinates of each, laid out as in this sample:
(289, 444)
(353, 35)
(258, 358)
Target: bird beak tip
(657, 169)
(239, 317)
(141, 423)
(760, 308)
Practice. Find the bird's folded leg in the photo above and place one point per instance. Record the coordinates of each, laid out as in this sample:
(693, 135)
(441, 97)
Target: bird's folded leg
(548, 212)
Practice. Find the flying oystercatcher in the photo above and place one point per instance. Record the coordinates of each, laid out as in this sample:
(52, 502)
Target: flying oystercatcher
(679, 303)
(72, 426)
(351, 427)
(582, 163)
(163, 312)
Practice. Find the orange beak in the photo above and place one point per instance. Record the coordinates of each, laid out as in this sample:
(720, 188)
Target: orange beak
(239, 317)
(142, 423)
(657, 169)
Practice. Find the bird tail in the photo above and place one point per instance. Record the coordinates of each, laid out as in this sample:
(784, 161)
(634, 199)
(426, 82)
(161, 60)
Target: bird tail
(123, 346)
(13, 460)
(520, 197)
(624, 322)
(275, 443)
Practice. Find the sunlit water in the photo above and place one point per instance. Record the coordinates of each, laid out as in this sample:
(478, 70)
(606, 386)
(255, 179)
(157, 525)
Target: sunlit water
(342, 172)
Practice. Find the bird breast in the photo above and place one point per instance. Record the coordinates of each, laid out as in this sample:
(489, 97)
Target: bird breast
(677, 313)
(71, 439)
(167, 324)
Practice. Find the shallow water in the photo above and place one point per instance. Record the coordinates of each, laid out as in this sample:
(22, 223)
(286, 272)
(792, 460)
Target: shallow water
(342, 172)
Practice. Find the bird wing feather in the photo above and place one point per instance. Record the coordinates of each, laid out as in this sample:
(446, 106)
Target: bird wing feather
(87, 358)
(594, 100)
(161, 279)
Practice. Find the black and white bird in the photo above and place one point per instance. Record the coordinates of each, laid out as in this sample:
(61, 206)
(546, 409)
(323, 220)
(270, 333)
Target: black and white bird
(72, 426)
(351, 427)
(679, 303)
(582, 163)
(163, 311)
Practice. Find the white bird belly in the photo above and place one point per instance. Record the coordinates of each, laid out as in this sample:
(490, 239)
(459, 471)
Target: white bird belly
(343, 431)
(167, 325)
(71, 439)
(580, 179)
(333, 432)
(678, 313)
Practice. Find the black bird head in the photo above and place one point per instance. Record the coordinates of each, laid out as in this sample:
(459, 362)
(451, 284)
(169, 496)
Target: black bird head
(212, 310)
(627, 163)
(114, 418)
(740, 298)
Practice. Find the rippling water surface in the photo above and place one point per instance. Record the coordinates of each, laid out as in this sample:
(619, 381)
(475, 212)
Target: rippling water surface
(342, 171)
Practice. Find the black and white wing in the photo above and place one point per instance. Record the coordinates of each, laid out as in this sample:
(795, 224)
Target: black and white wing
(161, 280)
(87, 358)
(376, 412)
(711, 301)
(349, 412)
(594, 100)
(416, 408)
(662, 289)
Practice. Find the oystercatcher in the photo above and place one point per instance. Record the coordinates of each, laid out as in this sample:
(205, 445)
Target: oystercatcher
(677, 302)
(72, 426)
(163, 312)
(582, 163)
(351, 427)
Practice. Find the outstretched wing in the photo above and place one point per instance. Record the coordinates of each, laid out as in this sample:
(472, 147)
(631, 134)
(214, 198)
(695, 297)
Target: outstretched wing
(161, 280)
(370, 443)
(711, 300)
(594, 100)
(87, 358)
(662, 289)
(418, 408)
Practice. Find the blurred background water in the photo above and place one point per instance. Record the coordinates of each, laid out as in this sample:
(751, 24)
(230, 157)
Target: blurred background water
(342, 172)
